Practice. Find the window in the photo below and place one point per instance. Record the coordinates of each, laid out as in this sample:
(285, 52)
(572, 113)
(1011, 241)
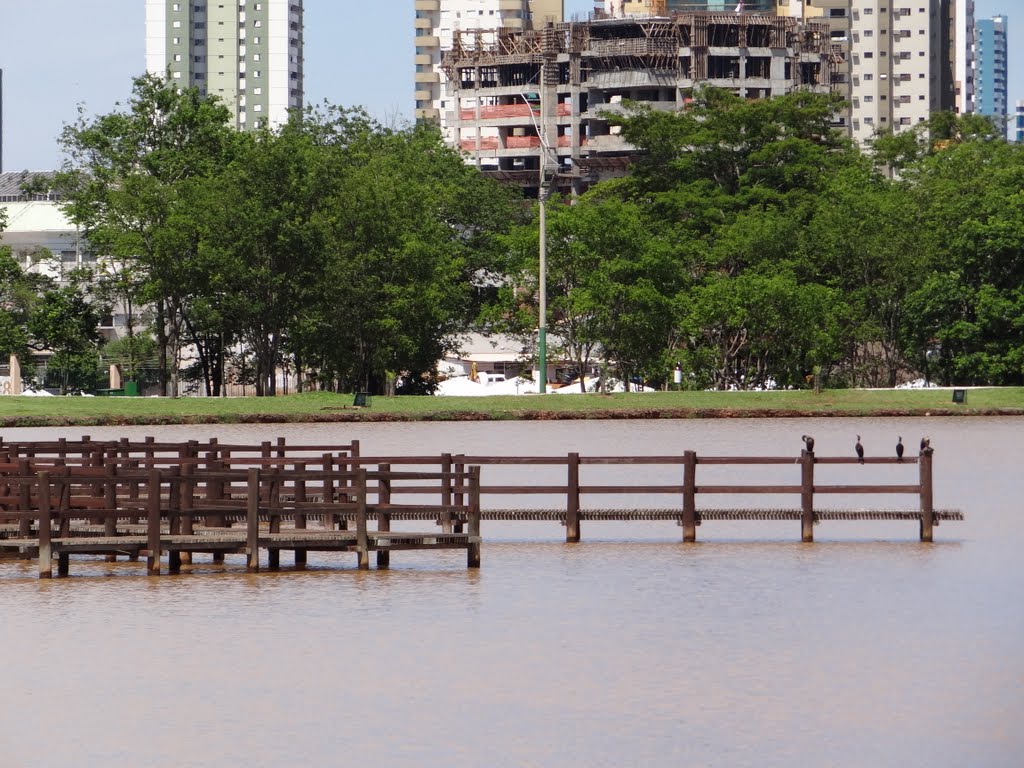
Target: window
(257, 23)
(176, 41)
(255, 57)
(257, 107)
(257, 91)
(176, 7)
(869, 54)
(177, 57)
(176, 24)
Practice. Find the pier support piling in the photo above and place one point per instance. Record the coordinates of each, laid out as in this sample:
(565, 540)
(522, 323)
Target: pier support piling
(45, 550)
(806, 496)
(927, 510)
(572, 501)
(689, 497)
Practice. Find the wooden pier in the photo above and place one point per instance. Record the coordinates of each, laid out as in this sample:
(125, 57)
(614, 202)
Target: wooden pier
(148, 499)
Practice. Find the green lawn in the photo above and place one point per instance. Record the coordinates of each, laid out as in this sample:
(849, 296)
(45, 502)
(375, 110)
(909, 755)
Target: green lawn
(320, 406)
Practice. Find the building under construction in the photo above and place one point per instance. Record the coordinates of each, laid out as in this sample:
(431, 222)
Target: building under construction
(531, 107)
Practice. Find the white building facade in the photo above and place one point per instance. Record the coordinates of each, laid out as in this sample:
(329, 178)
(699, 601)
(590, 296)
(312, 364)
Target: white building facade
(248, 53)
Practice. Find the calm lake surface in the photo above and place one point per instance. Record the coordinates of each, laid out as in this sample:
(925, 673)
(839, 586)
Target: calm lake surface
(866, 648)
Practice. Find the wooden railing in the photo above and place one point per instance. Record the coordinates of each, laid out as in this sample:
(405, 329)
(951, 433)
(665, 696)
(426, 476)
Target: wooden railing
(205, 460)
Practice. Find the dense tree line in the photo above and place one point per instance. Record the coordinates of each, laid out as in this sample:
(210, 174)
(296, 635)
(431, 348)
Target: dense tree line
(756, 246)
(334, 246)
(750, 242)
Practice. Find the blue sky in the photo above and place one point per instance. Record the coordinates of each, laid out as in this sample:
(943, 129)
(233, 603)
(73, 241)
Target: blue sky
(57, 54)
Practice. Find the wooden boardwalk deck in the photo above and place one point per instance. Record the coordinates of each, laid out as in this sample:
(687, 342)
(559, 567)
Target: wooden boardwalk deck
(148, 499)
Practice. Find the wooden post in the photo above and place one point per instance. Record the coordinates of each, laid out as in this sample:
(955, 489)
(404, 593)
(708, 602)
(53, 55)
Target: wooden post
(186, 525)
(153, 522)
(459, 497)
(384, 515)
(328, 492)
(689, 496)
(362, 543)
(215, 488)
(927, 511)
(473, 519)
(806, 496)
(64, 518)
(300, 517)
(252, 519)
(25, 498)
(446, 493)
(110, 502)
(45, 550)
(572, 500)
(274, 504)
(174, 517)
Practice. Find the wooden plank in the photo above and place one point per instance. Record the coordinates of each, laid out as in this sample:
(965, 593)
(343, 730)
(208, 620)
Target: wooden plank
(858, 489)
(740, 489)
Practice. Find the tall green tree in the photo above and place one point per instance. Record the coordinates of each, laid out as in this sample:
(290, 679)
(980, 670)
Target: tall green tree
(969, 307)
(132, 181)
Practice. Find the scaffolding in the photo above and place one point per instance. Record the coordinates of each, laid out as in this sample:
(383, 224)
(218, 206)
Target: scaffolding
(579, 73)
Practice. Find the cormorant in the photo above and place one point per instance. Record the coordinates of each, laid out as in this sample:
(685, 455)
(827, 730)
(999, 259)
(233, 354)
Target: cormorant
(925, 443)
(860, 450)
(899, 448)
(809, 442)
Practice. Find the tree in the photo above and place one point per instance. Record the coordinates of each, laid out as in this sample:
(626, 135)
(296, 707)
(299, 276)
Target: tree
(132, 181)
(19, 292)
(863, 242)
(65, 322)
(968, 307)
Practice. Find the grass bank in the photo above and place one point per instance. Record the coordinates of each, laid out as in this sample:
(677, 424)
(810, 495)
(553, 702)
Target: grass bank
(321, 406)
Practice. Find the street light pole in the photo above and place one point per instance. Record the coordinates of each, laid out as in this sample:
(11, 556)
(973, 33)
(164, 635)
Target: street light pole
(542, 325)
(547, 178)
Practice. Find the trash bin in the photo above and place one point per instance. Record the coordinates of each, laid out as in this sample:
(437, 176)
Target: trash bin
(131, 389)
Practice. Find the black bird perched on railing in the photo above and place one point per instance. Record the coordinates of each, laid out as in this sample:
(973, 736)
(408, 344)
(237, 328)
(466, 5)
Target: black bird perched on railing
(899, 448)
(925, 443)
(860, 450)
(809, 442)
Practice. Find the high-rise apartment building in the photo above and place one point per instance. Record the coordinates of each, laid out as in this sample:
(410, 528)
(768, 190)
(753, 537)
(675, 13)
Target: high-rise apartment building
(1018, 127)
(966, 70)
(248, 53)
(897, 60)
(991, 82)
(438, 22)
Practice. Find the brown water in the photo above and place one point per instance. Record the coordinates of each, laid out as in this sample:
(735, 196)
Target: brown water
(866, 648)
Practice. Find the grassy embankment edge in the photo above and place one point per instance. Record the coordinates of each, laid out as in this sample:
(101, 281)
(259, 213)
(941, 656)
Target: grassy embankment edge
(327, 407)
